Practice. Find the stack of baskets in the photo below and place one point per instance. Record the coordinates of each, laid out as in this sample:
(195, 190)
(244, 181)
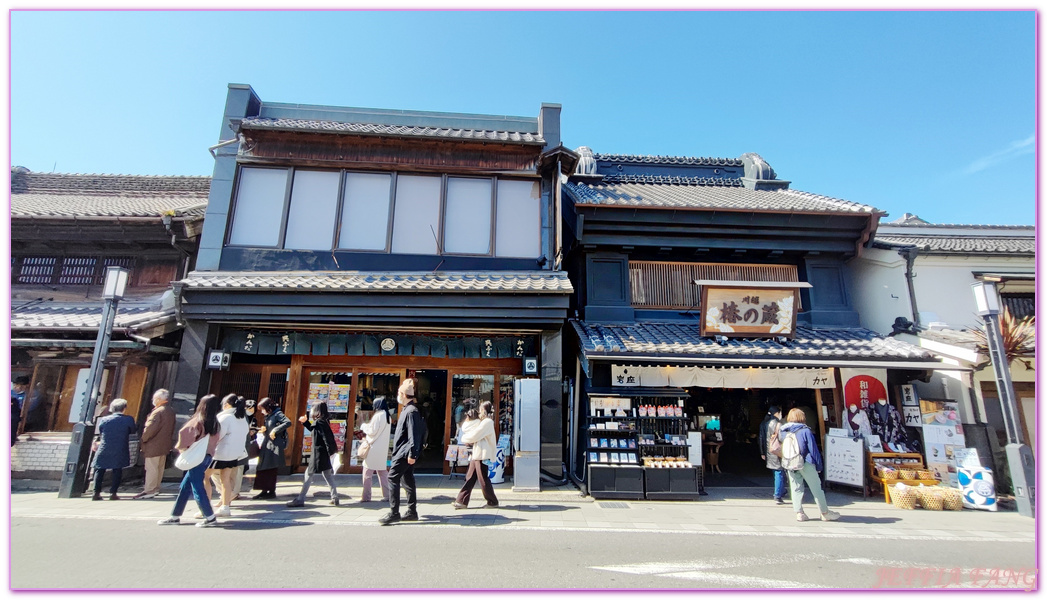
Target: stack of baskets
(887, 473)
(931, 497)
(926, 475)
(909, 474)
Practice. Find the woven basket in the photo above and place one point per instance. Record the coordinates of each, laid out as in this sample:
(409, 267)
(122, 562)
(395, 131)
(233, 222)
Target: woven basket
(904, 496)
(930, 498)
(906, 474)
(887, 473)
(926, 475)
(953, 500)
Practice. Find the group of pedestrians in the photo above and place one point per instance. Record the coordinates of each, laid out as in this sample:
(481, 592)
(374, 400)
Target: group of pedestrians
(215, 444)
(791, 452)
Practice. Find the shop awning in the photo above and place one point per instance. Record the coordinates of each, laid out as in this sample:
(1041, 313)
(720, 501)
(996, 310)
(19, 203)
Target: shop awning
(680, 344)
(623, 375)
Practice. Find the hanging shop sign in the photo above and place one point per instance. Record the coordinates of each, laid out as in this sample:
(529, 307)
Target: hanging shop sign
(748, 311)
(715, 377)
(863, 387)
(363, 344)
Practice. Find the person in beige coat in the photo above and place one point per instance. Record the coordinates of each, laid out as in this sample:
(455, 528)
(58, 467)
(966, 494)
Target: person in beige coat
(157, 442)
(375, 463)
(478, 430)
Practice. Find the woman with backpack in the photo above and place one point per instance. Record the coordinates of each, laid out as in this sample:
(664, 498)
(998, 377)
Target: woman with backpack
(802, 461)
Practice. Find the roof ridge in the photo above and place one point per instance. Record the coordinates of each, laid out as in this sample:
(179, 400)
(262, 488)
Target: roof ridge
(658, 158)
(672, 179)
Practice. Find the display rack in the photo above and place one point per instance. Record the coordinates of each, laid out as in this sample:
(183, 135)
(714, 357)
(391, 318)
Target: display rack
(636, 447)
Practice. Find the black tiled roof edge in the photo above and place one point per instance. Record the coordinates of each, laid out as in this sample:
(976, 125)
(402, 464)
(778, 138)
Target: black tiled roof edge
(673, 180)
(487, 135)
(108, 185)
(959, 244)
(669, 160)
(960, 226)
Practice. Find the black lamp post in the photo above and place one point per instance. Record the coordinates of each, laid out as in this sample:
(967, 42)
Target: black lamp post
(1019, 457)
(74, 474)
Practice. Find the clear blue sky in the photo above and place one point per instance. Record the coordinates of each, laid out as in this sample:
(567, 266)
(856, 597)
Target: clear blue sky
(925, 112)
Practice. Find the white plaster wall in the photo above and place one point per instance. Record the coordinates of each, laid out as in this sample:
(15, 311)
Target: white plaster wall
(943, 286)
(879, 291)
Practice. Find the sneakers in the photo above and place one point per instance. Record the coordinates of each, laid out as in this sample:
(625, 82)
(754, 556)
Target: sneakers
(334, 501)
(114, 497)
(779, 501)
(801, 517)
(410, 516)
(390, 518)
(144, 496)
(491, 505)
(169, 521)
(223, 511)
(830, 515)
(198, 515)
(458, 505)
(295, 503)
(213, 521)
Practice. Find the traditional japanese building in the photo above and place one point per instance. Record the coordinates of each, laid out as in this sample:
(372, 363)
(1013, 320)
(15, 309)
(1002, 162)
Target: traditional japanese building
(345, 249)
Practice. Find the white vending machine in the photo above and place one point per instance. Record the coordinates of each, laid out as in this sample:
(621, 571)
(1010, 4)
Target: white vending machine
(526, 440)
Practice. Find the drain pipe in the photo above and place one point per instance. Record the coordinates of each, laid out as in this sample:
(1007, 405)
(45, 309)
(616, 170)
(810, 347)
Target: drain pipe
(910, 259)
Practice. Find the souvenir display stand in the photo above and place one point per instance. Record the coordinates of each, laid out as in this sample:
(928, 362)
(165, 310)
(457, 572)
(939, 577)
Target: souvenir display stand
(638, 447)
(907, 468)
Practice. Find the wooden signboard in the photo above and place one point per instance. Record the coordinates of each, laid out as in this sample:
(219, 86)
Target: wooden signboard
(748, 311)
(845, 460)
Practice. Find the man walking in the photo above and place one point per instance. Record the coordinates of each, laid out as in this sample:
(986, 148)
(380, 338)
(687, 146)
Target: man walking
(768, 434)
(407, 444)
(157, 442)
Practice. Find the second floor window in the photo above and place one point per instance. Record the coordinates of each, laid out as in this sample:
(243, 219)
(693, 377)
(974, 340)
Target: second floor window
(302, 209)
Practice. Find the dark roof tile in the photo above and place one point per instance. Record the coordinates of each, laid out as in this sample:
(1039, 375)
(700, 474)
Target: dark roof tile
(518, 137)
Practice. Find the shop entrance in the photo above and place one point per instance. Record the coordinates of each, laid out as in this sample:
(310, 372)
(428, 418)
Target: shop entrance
(432, 403)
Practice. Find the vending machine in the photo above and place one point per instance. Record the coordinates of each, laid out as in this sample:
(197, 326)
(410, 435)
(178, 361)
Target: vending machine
(526, 438)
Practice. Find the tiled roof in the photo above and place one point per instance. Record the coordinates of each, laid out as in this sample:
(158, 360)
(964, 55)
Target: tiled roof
(708, 196)
(669, 160)
(484, 135)
(546, 282)
(86, 315)
(684, 340)
(954, 337)
(963, 244)
(673, 180)
(54, 195)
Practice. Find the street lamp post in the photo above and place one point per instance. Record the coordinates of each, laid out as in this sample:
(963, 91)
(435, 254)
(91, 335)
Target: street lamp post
(74, 474)
(1019, 456)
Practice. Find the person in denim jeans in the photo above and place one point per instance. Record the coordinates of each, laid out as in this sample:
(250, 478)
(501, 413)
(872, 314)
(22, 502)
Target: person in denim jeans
(812, 464)
(769, 428)
(204, 422)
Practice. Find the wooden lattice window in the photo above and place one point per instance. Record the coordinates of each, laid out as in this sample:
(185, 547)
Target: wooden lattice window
(65, 270)
(670, 285)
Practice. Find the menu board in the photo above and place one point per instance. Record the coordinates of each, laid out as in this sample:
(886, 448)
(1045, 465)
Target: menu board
(338, 427)
(336, 395)
(844, 460)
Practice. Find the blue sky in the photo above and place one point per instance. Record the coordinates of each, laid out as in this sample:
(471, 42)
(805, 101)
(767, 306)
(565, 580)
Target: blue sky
(931, 113)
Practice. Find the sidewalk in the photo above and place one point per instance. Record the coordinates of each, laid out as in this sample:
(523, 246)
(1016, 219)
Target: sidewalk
(725, 511)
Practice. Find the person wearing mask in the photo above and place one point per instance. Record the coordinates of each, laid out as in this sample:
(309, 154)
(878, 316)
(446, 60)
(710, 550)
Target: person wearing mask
(271, 452)
(204, 423)
(478, 430)
(112, 451)
(376, 432)
(250, 447)
(769, 431)
(230, 450)
(157, 442)
(407, 445)
(324, 447)
(812, 464)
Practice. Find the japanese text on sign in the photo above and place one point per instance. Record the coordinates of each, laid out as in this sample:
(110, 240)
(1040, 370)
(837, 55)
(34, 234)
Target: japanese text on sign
(748, 311)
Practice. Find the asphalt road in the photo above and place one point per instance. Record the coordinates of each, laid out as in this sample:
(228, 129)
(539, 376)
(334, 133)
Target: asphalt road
(65, 552)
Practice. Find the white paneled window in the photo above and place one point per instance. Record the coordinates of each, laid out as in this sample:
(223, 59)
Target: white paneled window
(518, 230)
(416, 215)
(365, 211)
(259, 207)
(467, 222)
(314, 205)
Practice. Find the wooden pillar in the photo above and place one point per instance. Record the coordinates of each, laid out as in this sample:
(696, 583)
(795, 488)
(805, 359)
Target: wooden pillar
(818, 407)
(292, 407)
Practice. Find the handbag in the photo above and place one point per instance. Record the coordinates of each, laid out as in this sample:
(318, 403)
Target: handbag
(363, 448)
(193, 455)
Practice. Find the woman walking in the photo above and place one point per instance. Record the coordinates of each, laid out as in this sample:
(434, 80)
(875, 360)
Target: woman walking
(478, 430)
(204, 423)
(250, 447)
(377, 459)
(112, 452)
(812, 464)
(324, 447)
(271, 452)
(230, 450)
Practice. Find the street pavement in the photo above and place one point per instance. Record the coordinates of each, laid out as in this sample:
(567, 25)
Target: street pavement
(556, 538)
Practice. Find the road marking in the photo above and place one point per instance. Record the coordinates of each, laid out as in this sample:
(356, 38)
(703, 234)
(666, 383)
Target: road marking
(710, 571)
(808, 533)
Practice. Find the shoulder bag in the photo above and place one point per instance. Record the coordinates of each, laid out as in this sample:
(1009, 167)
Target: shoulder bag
(365, 446)
(193, 455)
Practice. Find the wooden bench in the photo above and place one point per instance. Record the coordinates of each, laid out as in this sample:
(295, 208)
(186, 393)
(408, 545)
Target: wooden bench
(896, 460)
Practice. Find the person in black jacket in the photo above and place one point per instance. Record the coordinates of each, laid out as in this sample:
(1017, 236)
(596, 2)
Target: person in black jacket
(768, 429)
(324, 447)
(407, 445)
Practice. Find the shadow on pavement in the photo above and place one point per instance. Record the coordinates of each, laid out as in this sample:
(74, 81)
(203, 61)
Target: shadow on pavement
(253, 525)
(868, 520)
(536, 508)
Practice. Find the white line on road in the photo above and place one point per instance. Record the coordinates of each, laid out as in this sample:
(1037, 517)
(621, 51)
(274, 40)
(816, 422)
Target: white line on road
(711, 571)
(811, 534)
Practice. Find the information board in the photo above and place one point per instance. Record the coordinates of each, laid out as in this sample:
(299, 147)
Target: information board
(845, 460)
